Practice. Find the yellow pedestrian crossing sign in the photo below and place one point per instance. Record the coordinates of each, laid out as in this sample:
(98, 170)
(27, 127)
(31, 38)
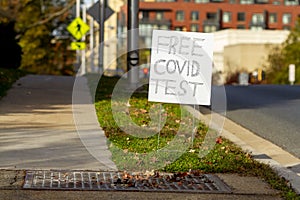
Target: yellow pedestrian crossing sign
(78, 28)
(78, 45)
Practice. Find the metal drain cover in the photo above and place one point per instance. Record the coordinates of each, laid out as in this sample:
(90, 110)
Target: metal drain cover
(124, 181)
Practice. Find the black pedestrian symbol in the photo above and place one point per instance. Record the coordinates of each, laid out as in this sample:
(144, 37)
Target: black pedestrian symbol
(78, 28)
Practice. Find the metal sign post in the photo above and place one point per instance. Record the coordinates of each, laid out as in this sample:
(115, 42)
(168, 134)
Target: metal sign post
(102, 6)
(100, 12)
(78, 28)
(92, 66)
(132, 42)
(83, 54)
(77, 16)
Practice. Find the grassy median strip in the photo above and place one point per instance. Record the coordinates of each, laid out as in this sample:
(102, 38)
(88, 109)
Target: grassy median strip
(7, 78)
(131, 153)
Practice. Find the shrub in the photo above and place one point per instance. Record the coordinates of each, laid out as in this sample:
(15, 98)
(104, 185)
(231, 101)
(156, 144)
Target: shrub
(10, 50)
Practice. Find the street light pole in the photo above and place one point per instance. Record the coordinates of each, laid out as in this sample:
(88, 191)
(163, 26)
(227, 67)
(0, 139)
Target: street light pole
(133, 42)
(102, 5)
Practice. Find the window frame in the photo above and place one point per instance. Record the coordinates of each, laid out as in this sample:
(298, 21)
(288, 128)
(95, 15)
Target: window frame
(289, 18)
(229, 17)
(197, 27)
(197, 15)
(180, 17)
(239, 14)
(275, 18)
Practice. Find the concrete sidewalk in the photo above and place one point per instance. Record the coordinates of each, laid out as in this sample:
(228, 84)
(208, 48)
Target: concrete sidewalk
(41, 129)
(37, 130)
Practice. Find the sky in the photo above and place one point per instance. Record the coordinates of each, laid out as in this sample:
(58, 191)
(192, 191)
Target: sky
(89, 2)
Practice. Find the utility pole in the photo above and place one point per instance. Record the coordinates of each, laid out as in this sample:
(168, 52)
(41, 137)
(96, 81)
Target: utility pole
(102, 6)
(133, 42)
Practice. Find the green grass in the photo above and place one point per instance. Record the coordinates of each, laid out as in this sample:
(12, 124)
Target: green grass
(7, 78)
(132, 153)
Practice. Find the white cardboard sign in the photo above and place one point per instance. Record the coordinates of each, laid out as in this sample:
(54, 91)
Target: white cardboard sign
(181, 67)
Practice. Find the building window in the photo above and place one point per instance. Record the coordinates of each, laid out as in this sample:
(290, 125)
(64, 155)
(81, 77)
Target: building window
(261, 1)
(276, 3)
(246, 1)
(180, 15)
(286, 18)
(258, 18)
(232, 1)
(288, 28)
(291, 2)
(144, 15)
(178, 28)
(211, 16)
(159, 15)
(256, 28)
(187, 0)
(241, 27)
(201, 1)
(272, 18)
(164, 0)
(145, 29)
(226, 17)
(194, 15)
(164, 27)
(209, 28)
(241, 17)
(194, 27)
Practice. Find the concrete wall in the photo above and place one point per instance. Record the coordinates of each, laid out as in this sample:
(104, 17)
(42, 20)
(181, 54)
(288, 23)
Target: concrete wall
(247, 57)
(243, 50)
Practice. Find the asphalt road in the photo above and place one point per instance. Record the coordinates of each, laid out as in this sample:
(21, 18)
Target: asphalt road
(270, 111)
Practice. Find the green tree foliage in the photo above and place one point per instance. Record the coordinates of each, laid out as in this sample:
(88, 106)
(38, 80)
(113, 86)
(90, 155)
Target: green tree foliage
(39, 24)
(287, 53)
(36, 41)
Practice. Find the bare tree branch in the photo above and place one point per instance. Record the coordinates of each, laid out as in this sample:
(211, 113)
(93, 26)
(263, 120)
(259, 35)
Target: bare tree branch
(54, 15)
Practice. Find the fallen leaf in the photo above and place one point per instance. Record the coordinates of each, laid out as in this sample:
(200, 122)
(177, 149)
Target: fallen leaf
(219, 140)
(125, 150)
(143, 111)
(192, 151)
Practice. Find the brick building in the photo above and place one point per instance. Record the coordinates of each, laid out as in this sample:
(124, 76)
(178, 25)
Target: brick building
(249, 23)
(214, 15)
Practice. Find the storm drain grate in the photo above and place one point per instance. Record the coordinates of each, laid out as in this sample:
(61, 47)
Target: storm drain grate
(92, 180)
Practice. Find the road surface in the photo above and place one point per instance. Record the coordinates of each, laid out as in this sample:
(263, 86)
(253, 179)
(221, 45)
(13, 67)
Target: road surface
(270, 111)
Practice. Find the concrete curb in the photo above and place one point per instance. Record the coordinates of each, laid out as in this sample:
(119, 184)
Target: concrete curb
(262, 157)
